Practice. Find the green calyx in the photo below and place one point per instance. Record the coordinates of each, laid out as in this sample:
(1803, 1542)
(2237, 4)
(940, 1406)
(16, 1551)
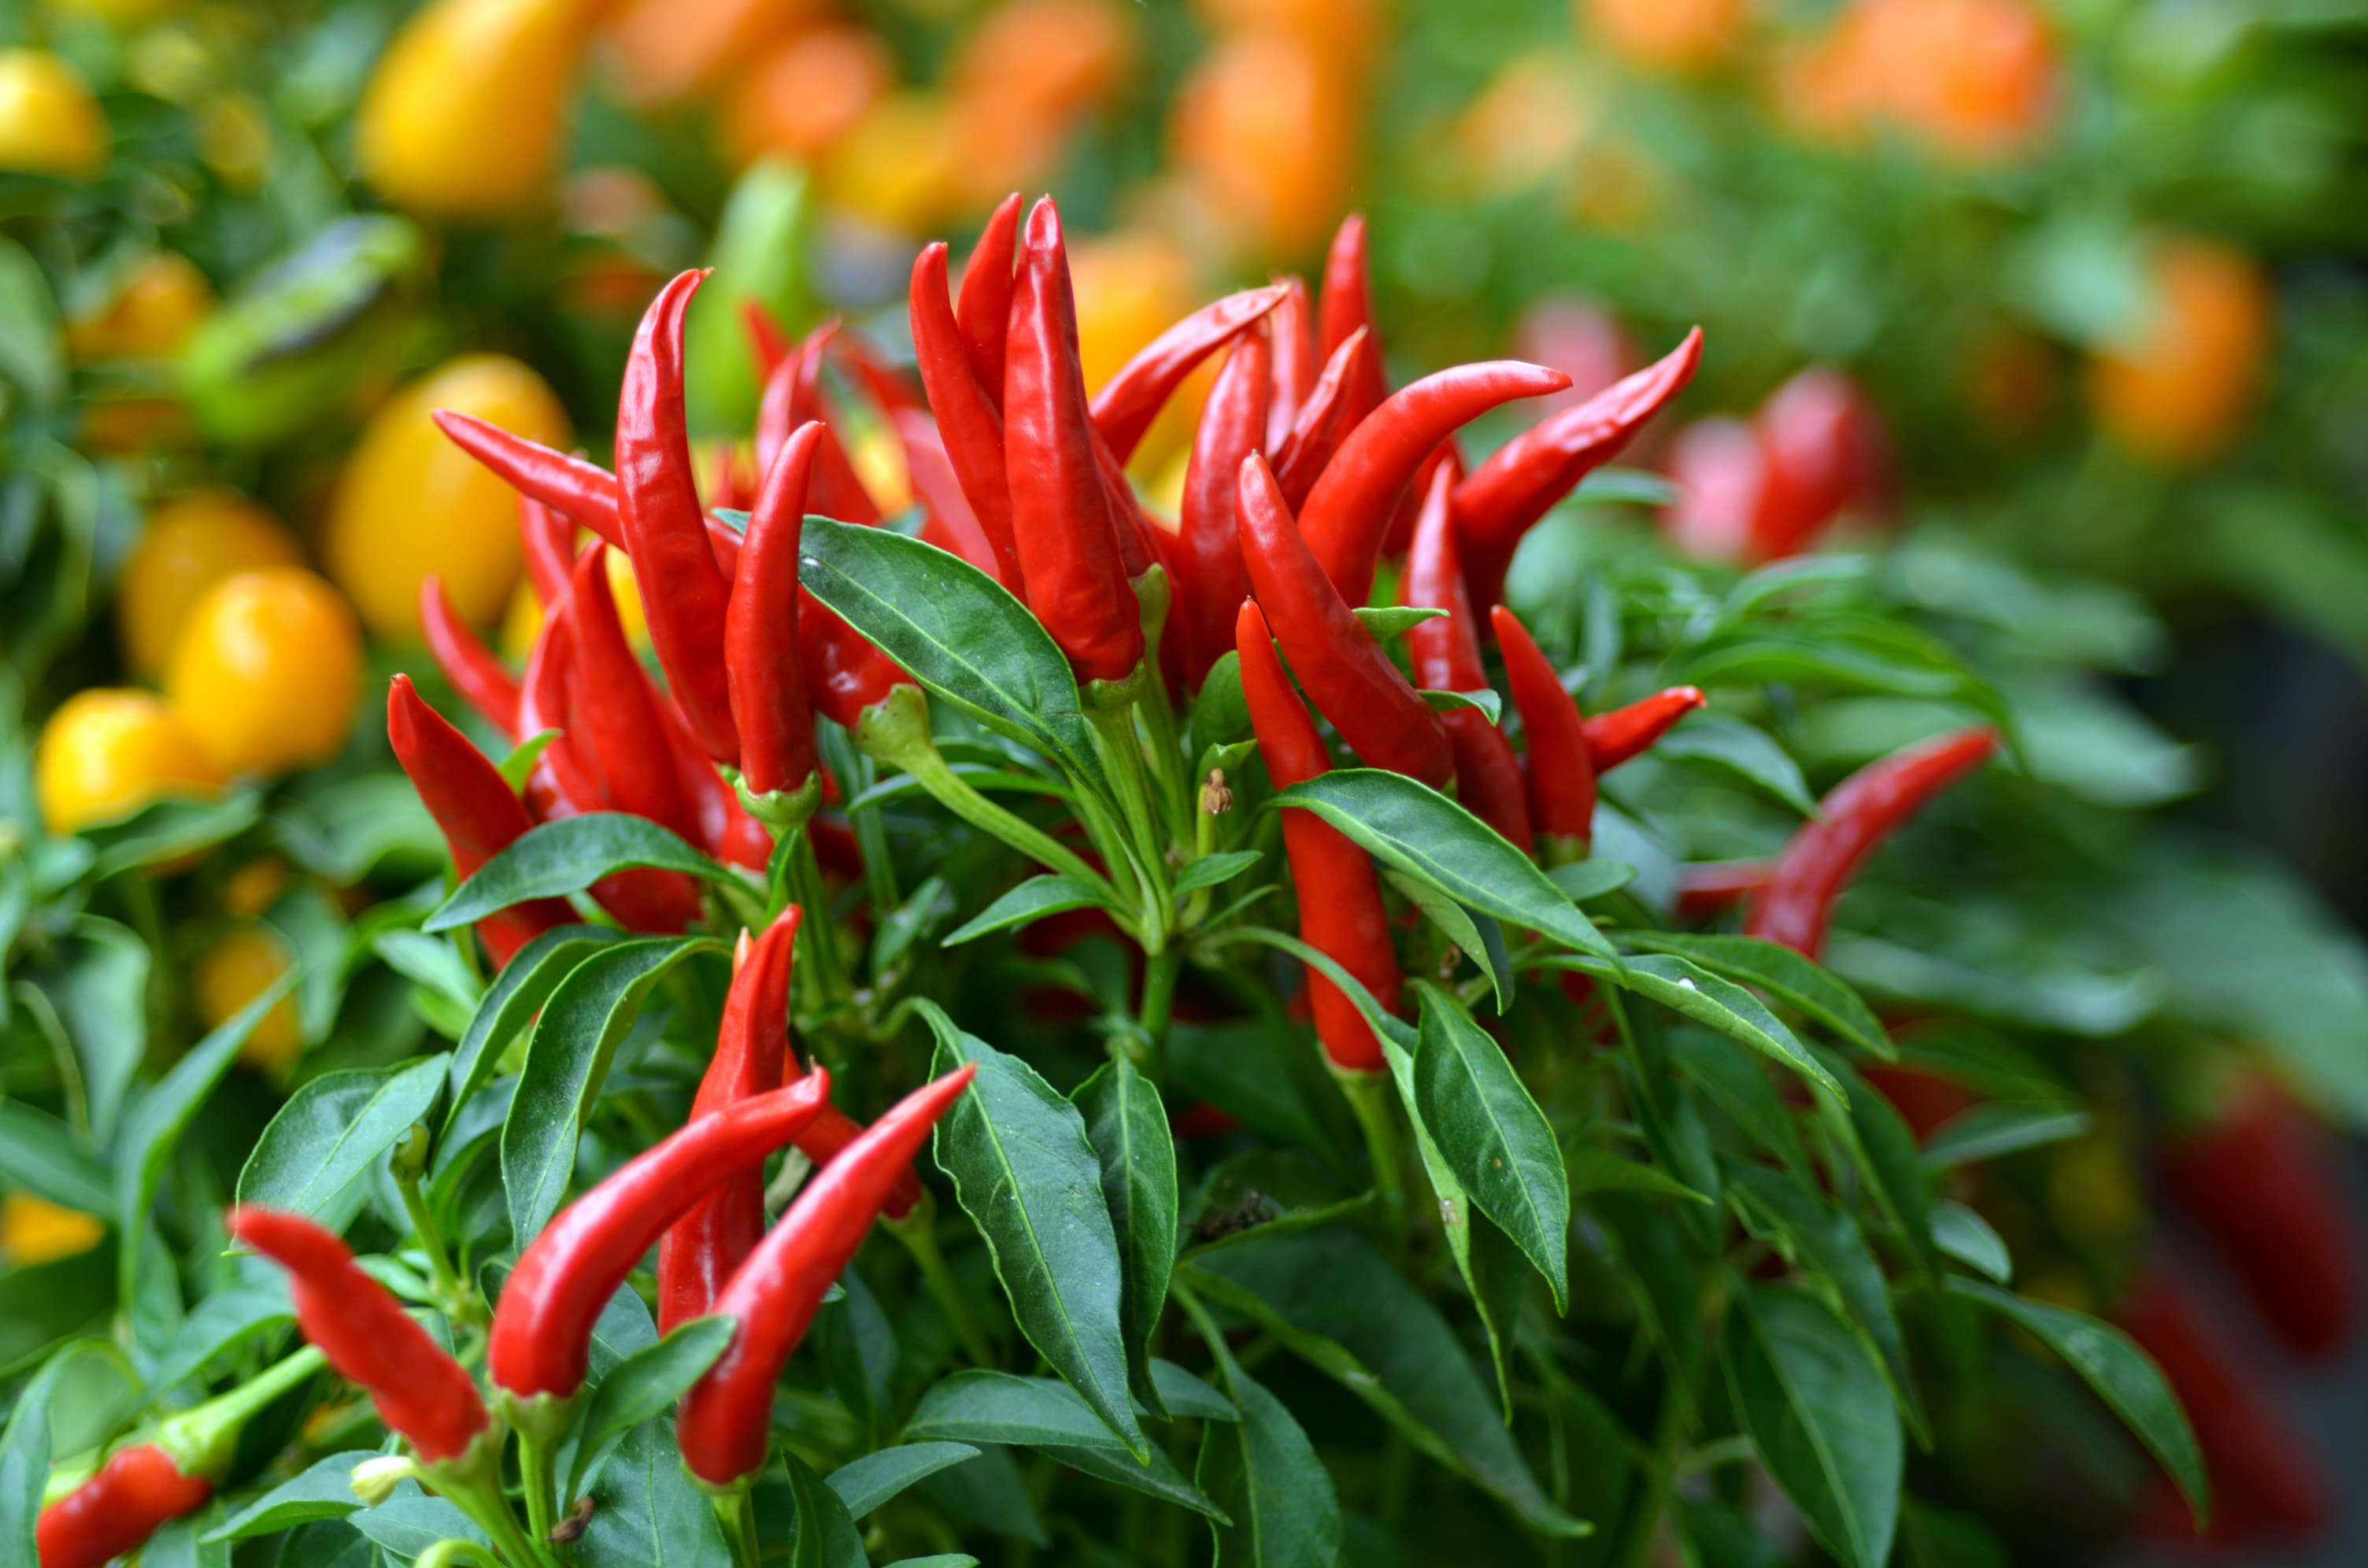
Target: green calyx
(783, 812)
(544, 1417)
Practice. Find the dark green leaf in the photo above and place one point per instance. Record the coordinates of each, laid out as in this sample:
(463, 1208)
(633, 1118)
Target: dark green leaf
(1595, 1169)
(1031, 900)
(640, 1388)
(1736, 1080)
(1214, 870)
(1187, 1396)
(1685, 987)
(1128, 1127)
(1266, 1478)
(1158, 1479)
(45, 1156)
(978, 1406)
(567, 856)
(1987, 1131)
(1499, 1143)
(325, 1491)
(1745, 750)
(826, 1534)
(333, 1128)
(1583, 879)
(1815, 1404)
(1480, 937)
(646, 1510)
(1967, 1237)
(1784, 974)
(1483, 701)
(25, 1459)
(865, 1483)
(513, 1000)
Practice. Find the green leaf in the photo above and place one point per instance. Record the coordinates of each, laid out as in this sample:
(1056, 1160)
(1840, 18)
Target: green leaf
(1736, 1080)
(1386, 622)
(957, 631)
(1813, 1400)
(1745, 750)
(1280, 1509)
(1214, 870)
(253, 1303)
(1031, 900)
(568, 856)
(1633, 485)
(511, 1002)
(646, 1509)
(865, 1483)
(1159, 1479)
(25, 1459)
(978, 1406)
(1986, 1131)
(1584, 880)
(1187, 1396)
(46, 1156)
(1479, 935)
(1595, 1169)
(640, 1388)
(32, 337)
(516, 767)
(1796, 980)
(1964, 1236)
(333, 1128)
(1026, 1173)
(2124, 1376)
(1405, 824)
(1483, 701)
(1685, 987)
(169, 830)
(1879, 1143)
(99, 989)
(1489, 1129)
(1128, 1127)
(325, 1491)
(826, 1534)
(567, 1059)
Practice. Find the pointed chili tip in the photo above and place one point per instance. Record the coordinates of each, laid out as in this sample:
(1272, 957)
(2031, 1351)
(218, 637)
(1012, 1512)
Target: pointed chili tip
(1043, 231)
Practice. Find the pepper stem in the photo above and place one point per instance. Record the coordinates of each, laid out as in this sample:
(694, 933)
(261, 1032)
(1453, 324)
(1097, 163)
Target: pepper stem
(808, 890)
(538, 1478)
(738, 1513)
(918, 1232)
(1369, 1096)
(408, 1165)
(1115, 728)
(1159, 974)
(198, 1440)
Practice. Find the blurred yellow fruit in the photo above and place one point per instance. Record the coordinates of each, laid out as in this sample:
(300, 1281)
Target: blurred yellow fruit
(191, 543)
(1525, 124)
(1667, 34)
(107, 752)
(34, 1229)
(150, 316)
(663, 50)
(235, 139)
(1264, 129)
(466, 114)
(2182, 390)
(1057, 58)
(410, 504)
(257, 886)
(1973, 80)
(264, 669)
(895, 164)
(49, 122)
(803, 97)
(1131, 285)
(878, 460)
(235, 971)
(1004, 144)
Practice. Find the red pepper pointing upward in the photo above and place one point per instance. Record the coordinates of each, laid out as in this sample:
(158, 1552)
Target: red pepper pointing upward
(1346, 308)
(1324, 420)
(1296, 358)
(766, 677)
(1445, 653)
(1210, 580)
(982, 313)
(1561, 776)
(967, 410)
(484, 682)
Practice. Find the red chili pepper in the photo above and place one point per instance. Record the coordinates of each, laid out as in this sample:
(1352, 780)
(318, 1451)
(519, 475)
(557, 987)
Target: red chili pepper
(575, 487)
(484, 682)
(1296, 360)
(1070, 555)
(1348, 675)
(948, 512)
(472, 807)
(727, 1423)
(1797, 903)
(542, 1326)
(1125, 407)
(562, 783)
(1348, 514)
(725, 828)
(138, 1492)
(793, 398)
(2257, 1186)
(769, 344)
(420, 1391)
(1210, 580)
(548, 540)
(1561, 777)
(1445, 653)
(2266, 1479)
(889, 387)
(1721, 472)
(1346, 308)
(967, 408)
(983, 314)
(1625, 734)
(1825, 451)
(616, 711)
(1138, 541)
(845, 672)
(1340, 910)
(760, 630)
(1712, 887)
(1523, 479)
(683, 593)
(1324, 420)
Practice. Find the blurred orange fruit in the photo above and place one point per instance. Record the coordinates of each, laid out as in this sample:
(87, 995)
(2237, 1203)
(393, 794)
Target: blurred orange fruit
(806, 94)
(896, 164)
(466, 113)
(237, 968)
(2180, 391)
(1349, 33)
(1666, 34)
(191, 543)
(161, 299)
(1265, 130)
(263, 672)
(1973, 80)
(1057, 58)
(660, 51)
(107, 752)
(1526, 124)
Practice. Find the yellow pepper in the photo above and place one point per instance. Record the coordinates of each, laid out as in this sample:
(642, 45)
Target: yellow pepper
(162, 299)
(466, 113)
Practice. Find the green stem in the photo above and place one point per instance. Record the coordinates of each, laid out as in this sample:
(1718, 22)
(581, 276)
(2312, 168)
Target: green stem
(901, 740)
(537, 1475)
(490, 1510)
(456, 1553)
(1166, 751)
(1371, 1096)
(918, 1232)
(1116, 730)
(452, 1295)
(813, 894)
(1642, 1522)
(736, 1510)
(1159, 973)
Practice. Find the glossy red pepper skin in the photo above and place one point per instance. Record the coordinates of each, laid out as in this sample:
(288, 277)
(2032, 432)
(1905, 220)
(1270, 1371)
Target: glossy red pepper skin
(1297, 359)
(472, 807)
(420, 1391)
(1123, 410)
(2257, 1184)
(1341, 911)
(1561, 775)
(575, 487)
(135, 1494)
(1210, 580)
(1324, 420)
(949, 514)
(761, 663)
(542, 1326)
(725, 1429)
(484, 682)
(1623, 734)
(969, 411)
(1138, 541)
(684, 595)
(845, 672)
(982, 310)
(1346, 518)
(547, 538)
(1348, 675)
(562, 783)
(836, 492)
(1522, 480)
(615, 710)
(1796, 906)
(1721, 472)
(1344, 308)
(726, 829)
(1445, 653)
(1070, 556)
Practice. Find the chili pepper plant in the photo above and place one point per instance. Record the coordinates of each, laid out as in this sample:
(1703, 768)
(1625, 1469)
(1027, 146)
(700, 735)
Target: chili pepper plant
(1342, 1066)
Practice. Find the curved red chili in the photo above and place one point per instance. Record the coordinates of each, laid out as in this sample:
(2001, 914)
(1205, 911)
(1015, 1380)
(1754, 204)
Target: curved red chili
(616, 711)
(576, 487)
(484, 682)
(1123, 410)
(562, 783)
(1296, 360)
(1340, 910)
(1623, 733)
(726, 1423)
(683, 593)
(1445, 653)
(1138, 541)
(983, 311)
(1070, 555)
(1345, 308)
(1210, 580)
(138, 1492)
(794, 398)
(1860, 814)
(1348, 514)
(542, 1326)
(1347, 675)
(420, 1391)
(1324, 420)
(1504, 498)
(547, 539)
(967, 408)
(769, 343)
(1825, 451)
(948, 512)
(760, 630)
(472, 807)
(1561, 776)
(889, 387)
